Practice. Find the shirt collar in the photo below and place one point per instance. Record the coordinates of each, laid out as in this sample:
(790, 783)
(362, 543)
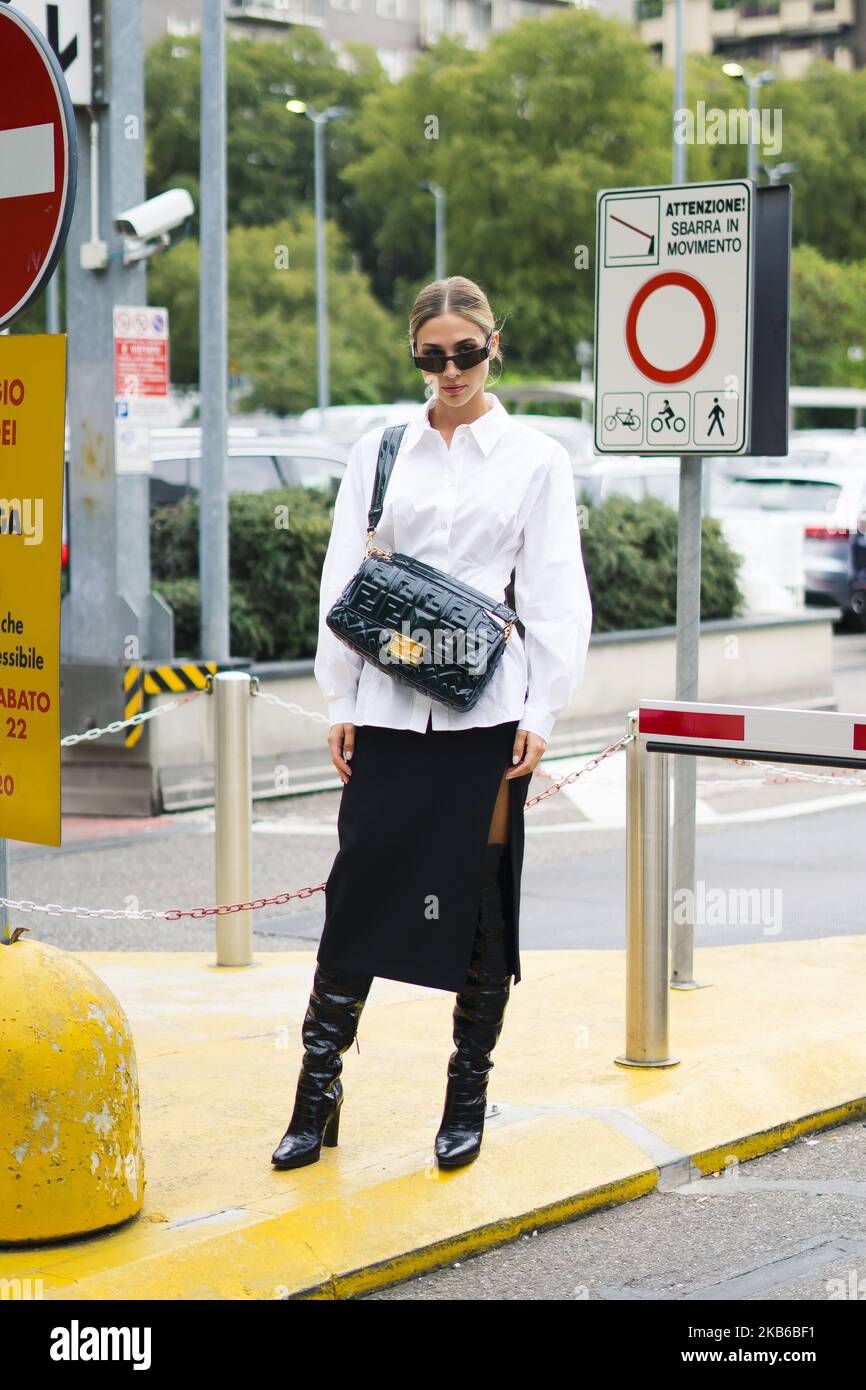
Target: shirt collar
(486, 430)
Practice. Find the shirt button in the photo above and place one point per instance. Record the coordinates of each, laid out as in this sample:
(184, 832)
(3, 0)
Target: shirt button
(443, 525)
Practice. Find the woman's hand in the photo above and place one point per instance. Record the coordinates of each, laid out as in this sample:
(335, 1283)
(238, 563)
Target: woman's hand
(528, 749)
(341, 742)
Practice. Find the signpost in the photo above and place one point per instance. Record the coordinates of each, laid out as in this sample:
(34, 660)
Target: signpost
(38, 166)
(74, 30)
(673, 355)
(692, 356)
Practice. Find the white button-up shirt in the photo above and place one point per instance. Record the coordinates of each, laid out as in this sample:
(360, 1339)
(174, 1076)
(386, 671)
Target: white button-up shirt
(500, 498)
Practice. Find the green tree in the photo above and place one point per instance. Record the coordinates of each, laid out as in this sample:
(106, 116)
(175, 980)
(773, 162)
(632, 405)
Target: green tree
(269, 151)
(272, 318)
(526, 132)
(827, 302)
(821, 119)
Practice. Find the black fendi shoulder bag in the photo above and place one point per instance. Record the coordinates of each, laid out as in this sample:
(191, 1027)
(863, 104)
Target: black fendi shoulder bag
(414, 622)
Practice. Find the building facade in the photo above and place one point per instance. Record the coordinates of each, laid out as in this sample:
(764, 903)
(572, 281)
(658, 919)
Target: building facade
(398, 29)
(783, 34)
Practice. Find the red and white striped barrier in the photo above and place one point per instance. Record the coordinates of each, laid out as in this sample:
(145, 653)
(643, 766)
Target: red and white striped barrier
(792, 735)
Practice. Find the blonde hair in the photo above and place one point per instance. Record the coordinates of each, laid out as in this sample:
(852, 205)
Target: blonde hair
(455, 295)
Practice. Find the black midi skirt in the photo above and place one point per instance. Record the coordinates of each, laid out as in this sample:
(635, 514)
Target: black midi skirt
(403, 894)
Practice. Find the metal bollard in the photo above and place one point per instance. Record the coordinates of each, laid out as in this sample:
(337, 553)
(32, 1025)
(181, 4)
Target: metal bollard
(647, 905)
(233, 797)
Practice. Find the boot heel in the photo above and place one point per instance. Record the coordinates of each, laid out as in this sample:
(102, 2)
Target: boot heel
(332, 1129)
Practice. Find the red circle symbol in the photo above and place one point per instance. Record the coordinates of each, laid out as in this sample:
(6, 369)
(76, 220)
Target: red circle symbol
(701, 294)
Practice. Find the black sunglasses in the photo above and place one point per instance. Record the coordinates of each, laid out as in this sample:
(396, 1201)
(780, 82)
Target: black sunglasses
(438, 362)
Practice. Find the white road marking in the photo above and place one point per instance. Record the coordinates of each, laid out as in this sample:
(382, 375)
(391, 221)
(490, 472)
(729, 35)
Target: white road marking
(27, 161)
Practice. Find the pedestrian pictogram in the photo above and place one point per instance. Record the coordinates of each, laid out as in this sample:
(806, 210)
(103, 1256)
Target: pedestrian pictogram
(685, 322)
(37, 164)
(717, 415)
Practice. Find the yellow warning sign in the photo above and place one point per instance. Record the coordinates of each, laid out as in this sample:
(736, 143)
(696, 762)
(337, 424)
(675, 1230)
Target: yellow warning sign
(32, 422)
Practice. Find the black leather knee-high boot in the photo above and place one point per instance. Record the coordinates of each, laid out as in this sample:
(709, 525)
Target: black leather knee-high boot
(330, 1026)
(478, 1017)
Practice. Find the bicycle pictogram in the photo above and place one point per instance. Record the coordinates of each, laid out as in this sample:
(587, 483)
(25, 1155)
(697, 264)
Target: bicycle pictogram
(622, 417)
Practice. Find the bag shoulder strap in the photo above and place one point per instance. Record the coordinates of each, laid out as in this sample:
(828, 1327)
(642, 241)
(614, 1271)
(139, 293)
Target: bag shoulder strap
(388, 450)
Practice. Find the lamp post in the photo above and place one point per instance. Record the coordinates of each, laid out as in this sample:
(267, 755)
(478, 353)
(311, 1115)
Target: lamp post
(439, 194)
(320, 120)
(776, 172)
(583, 352)
(754, 84)
(679, 149)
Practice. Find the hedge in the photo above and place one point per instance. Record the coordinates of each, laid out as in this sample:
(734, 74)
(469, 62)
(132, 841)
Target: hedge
(630, 553)
(278, 539)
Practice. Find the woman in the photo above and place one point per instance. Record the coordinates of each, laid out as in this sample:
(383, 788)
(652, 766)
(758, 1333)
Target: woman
(425, 886)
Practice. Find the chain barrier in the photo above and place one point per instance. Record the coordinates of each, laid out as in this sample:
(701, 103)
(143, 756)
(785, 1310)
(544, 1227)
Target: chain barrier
(117, 724)
(270, 699)
(175, 914)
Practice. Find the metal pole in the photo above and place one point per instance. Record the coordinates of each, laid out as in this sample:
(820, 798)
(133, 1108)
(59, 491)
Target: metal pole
(688, 622)
(110, 599)
(4, 882)
(52, 303)
(321, 268)
(647, 906)
(439, 195)
(213, 350)
(233, 800)
(753, 86)
(679, 150)
(687, 664)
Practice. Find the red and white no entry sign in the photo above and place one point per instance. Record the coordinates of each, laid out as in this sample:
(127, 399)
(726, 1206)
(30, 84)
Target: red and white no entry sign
(38, 163)
(694, 287)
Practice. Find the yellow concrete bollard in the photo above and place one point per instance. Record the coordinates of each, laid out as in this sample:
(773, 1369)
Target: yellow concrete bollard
(70, 1129)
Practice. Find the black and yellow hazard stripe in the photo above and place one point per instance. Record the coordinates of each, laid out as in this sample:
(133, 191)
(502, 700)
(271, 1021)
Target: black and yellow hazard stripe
(133, 702)
(174, 680)
(160, 680)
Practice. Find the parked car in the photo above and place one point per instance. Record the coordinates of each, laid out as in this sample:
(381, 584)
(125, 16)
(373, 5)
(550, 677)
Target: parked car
(254, 465)
(346, 423)
(574, 435)
(827, 496)
(602, 476)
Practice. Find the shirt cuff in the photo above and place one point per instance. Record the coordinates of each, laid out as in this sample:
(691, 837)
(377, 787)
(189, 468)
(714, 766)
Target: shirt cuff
(536, 721)
(342, 711)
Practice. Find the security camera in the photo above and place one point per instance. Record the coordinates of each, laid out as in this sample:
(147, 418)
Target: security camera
(157, 217)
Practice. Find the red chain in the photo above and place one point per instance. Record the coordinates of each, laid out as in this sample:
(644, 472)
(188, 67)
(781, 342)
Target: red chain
(175, 913)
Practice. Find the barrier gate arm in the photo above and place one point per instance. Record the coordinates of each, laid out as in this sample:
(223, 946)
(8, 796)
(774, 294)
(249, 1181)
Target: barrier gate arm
(675, 727)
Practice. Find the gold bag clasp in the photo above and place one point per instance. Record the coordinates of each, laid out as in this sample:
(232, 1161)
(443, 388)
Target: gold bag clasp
(405, 649)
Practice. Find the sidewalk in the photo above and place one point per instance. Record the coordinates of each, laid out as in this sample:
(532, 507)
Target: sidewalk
(774, 1048)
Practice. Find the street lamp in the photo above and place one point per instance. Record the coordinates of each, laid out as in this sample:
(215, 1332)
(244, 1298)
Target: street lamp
(320, 120)
(439, 194)
(776, 172)
(736, 70)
